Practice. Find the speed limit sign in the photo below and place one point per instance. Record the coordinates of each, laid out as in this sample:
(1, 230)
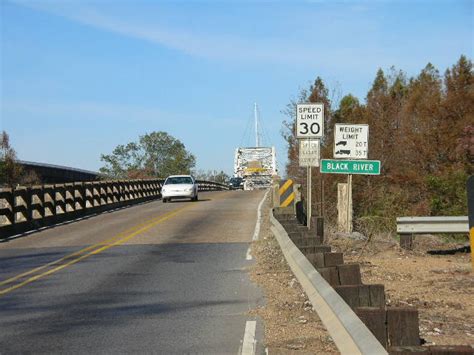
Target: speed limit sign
(309, 120)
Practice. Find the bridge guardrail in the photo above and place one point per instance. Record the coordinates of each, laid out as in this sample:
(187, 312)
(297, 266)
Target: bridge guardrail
(204, 185)
(27, 208)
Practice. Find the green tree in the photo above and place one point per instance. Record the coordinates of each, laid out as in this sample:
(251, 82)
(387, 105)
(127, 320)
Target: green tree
(421, 121)
(320, 93)
(156, 154)
(421, 129)
(349, 111)
(211, 175)
(317, 92)
(10, 171)
(458, 107)
(288, 132)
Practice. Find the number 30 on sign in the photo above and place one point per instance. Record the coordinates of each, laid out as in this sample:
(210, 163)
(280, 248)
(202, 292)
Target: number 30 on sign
(310, 120)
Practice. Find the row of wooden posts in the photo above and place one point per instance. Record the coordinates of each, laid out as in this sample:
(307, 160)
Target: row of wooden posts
(26, 208)
(396, 328)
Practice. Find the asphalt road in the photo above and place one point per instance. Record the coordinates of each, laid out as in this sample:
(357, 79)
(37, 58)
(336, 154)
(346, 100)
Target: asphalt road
(153, 278)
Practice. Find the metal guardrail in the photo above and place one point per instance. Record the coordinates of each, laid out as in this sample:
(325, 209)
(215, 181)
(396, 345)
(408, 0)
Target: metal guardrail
(420, 225)
(407, 227)
(27, 208)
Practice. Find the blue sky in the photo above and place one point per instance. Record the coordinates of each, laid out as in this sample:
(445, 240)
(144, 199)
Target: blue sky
(80, 77)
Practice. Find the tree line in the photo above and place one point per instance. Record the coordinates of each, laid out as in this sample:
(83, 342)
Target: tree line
(12, 173)
(421, 128)
(153, 155)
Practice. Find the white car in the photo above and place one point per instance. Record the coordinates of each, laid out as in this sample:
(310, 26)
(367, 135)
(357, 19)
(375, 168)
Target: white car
(179, 186)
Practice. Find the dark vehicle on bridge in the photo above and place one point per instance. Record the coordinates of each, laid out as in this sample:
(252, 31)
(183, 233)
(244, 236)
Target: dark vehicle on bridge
(236, 183)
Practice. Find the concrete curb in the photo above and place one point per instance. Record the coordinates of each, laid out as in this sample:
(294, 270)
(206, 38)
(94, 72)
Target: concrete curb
(349, 333)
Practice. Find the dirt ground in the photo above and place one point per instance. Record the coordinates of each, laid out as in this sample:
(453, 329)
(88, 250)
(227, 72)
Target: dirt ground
(291, 324)
(440, 287)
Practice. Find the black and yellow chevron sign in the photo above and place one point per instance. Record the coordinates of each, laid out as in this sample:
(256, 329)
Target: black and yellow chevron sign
(287, 195)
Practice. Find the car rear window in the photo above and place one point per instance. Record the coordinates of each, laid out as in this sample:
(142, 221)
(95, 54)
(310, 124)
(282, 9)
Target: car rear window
(178, 180)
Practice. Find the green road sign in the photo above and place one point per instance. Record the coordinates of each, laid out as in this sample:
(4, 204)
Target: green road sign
(336, 166)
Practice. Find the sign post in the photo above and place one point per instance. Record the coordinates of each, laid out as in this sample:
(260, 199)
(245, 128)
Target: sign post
(309, 125)
(309, 157)
(351, 141)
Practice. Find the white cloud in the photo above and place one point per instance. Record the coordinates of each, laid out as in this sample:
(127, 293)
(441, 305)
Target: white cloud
(231, 48)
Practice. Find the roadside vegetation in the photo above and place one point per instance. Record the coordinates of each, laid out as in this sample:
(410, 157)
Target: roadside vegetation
(212, 175)
(12, 173)
(421, 129)
(154, 155)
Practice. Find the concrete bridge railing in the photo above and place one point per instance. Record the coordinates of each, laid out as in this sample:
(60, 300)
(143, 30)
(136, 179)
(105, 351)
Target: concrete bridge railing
(27, 208)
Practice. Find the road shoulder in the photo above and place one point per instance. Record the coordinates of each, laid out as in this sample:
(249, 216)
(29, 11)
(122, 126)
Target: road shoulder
(290, 322)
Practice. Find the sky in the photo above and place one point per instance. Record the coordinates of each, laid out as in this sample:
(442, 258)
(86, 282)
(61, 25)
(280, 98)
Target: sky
(79, 77)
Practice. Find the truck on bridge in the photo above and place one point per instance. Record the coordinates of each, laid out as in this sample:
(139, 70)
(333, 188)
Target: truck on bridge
(256, 166)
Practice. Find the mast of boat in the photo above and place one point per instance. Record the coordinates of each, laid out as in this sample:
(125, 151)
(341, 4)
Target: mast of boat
(255, 112)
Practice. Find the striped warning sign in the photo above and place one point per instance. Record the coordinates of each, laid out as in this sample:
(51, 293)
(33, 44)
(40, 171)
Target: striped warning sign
(287, 195)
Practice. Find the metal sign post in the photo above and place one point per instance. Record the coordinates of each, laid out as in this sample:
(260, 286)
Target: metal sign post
(349, 203)
(309, 128)
(308, 179)
(309, 157)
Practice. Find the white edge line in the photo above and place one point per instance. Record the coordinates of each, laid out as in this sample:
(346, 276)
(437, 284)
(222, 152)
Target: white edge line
(248, 346)
(248, 256)
(259, 217)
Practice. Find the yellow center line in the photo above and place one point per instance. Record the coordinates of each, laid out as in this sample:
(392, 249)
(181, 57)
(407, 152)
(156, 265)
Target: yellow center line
(93, 252)
(69, 256)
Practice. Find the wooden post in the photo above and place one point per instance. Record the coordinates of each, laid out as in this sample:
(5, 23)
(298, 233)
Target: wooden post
(406, 241)
(374, 319)
(349, 274)
(402, 326)
(320, 228)
(333, 259)
(322, 197)
(342, 207)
